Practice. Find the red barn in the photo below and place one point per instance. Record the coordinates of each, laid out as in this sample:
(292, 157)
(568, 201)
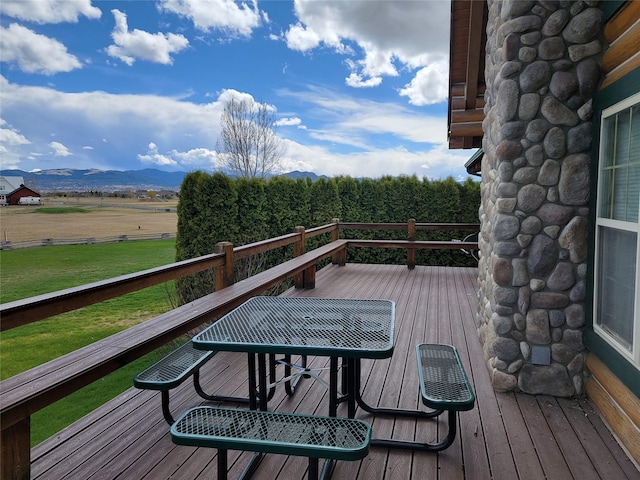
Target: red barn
(24, 196)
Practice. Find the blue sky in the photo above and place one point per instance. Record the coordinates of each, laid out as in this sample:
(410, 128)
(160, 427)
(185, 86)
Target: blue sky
(359, 87)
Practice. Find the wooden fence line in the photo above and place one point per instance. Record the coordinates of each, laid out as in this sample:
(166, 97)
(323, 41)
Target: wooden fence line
(51, 242)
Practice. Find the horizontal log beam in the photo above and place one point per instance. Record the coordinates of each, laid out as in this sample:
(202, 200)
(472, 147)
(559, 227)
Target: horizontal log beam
(621, 71)
(622, 22)
(466, 129)
(616, 403)
(464, 116)
(625, 47)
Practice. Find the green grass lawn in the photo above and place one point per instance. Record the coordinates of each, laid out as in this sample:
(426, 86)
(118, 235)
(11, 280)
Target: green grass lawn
(29, 272)
(55, 210)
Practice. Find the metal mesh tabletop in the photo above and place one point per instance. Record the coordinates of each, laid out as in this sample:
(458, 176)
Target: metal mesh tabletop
(317, 326)
(273, 432)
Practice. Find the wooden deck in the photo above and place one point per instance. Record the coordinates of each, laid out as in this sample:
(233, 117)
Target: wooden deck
(506, 436)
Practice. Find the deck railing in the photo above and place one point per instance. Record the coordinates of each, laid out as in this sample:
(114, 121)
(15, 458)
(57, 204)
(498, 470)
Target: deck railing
(28, 392)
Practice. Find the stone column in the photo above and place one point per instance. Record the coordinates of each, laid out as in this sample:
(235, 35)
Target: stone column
(542, 69)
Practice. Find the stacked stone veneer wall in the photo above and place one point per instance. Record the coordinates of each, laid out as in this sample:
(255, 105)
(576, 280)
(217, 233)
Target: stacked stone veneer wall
(543, 67)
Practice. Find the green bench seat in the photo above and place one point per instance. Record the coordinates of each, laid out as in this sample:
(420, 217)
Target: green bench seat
(282, 433)
(172, 370)
(443, 381)
(444, 386)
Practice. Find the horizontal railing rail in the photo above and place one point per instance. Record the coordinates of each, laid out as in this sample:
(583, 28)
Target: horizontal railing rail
(418, 244)
(21, 312)
(405, 226)
(28, 392)
(29, 310)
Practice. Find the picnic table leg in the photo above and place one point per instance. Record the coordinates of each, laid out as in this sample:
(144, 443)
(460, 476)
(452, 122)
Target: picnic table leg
(290, 386)
(222, 464)
(351, 384)
(333, 387)
(251, 467)
(327, 469)
(312, 474)
(166, 412)
(215, 398)
(262, 381)
(345, 380)
(251, 372)
(395, 412)
(419, 446)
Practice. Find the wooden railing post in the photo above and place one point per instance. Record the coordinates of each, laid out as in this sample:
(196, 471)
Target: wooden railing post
(224, 274)
(299, 247)
(15, 463)
(335, 233)
(411, 236)
(338, 258)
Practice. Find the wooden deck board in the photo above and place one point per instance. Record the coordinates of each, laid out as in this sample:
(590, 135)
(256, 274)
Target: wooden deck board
(506, 435)
(549, 454)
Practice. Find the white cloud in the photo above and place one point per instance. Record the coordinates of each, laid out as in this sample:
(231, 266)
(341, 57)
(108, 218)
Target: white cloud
(229, 94)
(113, 123)
(426, 87)
(34, 53)
(60, 150)
(375, 64)
(153, 156)
(10, 145)
(49, 11)
(196, 157)
(346, 136)
(12, 137)
(236, 19)
(138, 44)
(288, 122)
(349, 119)
(356, 80)
(389, 34)
(300, 38)
(434, 162)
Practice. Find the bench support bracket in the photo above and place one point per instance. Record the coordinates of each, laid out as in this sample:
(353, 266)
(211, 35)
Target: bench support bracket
(419, 446)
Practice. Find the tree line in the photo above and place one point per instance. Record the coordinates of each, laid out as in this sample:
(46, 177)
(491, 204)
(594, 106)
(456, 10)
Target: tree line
(215, 207)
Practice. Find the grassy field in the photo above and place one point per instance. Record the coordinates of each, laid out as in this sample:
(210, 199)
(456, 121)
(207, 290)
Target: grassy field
(29, 272)
(103, 218)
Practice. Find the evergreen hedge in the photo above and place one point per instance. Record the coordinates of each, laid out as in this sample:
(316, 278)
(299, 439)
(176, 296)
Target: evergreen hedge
(216, 208)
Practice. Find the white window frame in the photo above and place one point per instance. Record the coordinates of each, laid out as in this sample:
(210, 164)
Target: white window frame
(634, 355)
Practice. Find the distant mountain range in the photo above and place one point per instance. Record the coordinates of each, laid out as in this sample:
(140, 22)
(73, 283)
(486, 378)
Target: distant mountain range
(69, 179)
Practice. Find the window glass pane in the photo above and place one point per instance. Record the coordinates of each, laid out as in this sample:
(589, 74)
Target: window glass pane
(634, 173)
(620, 194)
(635, 133)
(608, 141)
(605, 197)
(633, 209)
(616, 280)
(623, 131)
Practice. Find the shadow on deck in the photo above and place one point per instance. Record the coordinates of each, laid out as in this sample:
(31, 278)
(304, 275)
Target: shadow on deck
(505, 436)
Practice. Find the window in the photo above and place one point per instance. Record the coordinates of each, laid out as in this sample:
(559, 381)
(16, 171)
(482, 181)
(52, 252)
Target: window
(617, 269)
